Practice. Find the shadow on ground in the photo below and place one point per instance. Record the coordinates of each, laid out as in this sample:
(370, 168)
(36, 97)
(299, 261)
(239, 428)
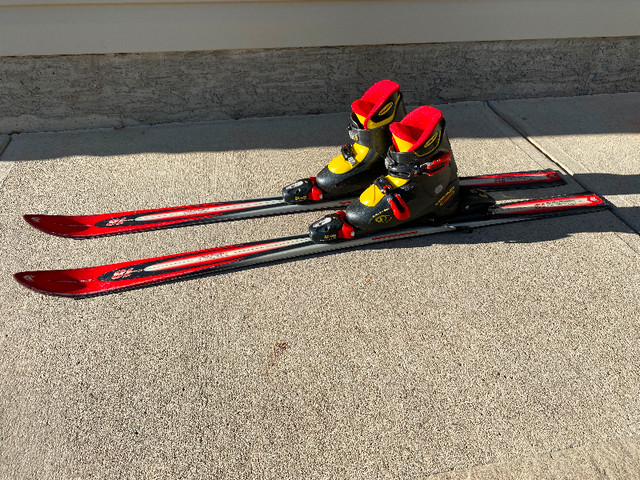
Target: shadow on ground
(581, 115)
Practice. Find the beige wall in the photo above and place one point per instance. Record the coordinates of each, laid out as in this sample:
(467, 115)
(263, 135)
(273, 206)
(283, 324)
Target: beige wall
(53, 27)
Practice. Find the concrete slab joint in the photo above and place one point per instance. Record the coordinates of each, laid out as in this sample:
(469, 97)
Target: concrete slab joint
(564, 131)
(4, 141)
(5, 166)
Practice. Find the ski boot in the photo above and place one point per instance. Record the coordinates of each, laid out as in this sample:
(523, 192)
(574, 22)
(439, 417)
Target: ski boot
(362, 158)
(421, 184)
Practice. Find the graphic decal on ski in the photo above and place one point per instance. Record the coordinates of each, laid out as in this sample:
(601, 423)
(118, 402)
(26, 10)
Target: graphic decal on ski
(197, 260)
(124, 275)
(82, 282)
(186, 214)
(87, 226)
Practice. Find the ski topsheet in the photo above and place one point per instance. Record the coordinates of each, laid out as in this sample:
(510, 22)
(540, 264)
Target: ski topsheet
(90, 281)
(87, 226)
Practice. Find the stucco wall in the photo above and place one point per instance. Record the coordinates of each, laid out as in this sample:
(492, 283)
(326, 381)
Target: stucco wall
(62, 92)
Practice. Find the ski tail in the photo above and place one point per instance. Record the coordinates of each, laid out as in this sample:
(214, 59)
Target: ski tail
(567, 204)
(515, 180)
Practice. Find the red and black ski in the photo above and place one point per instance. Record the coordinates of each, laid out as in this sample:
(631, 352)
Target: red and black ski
(82, 282)
(87, 226)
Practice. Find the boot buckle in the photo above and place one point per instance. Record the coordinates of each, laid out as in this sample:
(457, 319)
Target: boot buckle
(383, 184)
(432, 167)
(399, 207)
(347, 153)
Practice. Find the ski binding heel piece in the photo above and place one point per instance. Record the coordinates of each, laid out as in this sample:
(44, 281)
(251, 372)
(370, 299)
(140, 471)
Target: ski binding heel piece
(331, 228)
(302, 191)
(474, 201)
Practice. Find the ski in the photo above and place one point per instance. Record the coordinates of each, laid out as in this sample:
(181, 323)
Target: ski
(88, 226)
(83, 282)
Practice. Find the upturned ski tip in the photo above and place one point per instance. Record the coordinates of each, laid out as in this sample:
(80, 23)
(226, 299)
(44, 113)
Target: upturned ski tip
(59, 225)
(50, 282)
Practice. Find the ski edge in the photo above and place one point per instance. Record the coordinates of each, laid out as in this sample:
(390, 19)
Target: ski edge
(308, 248)
(85, 232)
(86, 225)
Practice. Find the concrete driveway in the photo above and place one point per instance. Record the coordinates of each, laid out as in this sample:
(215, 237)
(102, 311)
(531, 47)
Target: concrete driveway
(508, 352)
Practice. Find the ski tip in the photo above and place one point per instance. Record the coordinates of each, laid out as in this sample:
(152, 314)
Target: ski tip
(33, 220)
(55, 225)
(24, 279)
(43, 282)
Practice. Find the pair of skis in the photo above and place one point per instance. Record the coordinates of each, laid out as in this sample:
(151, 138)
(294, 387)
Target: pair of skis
(82, 282)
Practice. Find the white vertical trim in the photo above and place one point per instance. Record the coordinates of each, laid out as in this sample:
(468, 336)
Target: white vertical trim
(45, 27)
